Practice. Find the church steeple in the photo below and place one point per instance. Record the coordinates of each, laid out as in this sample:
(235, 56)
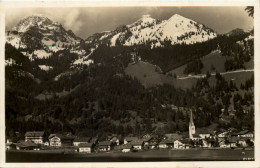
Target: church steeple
(191, 127)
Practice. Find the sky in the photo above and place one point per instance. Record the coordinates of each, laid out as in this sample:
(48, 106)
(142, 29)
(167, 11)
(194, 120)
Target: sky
(86, 21)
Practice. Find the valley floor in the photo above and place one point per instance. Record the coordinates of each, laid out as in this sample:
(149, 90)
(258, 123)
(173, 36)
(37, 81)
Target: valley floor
(141, 156)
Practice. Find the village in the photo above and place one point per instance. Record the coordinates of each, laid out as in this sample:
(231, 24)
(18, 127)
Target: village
(67, 142)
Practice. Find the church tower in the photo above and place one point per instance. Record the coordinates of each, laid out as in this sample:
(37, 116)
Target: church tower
(191, 127)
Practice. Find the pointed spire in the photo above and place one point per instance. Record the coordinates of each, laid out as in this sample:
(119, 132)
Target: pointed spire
(191, 119)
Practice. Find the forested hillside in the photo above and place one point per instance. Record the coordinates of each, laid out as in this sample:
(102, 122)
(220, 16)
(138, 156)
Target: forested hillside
(104, 94)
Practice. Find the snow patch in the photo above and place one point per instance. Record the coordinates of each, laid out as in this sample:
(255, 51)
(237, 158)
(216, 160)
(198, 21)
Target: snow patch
(10, 62)
(45, 67)
(113, 39)
(41, 54)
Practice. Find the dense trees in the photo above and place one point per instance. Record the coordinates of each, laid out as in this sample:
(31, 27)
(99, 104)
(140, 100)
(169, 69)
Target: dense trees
(105, 99)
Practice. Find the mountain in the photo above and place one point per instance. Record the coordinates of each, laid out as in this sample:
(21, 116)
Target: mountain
(235, 32)
(39, 36)
(147, 30)
(124, 81)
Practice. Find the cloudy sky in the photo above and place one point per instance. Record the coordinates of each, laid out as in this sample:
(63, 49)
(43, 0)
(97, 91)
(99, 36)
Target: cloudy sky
(86, 21)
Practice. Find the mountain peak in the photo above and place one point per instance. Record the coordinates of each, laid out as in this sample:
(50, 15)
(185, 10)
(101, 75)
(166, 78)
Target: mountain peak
(34, 20)
(177, 17)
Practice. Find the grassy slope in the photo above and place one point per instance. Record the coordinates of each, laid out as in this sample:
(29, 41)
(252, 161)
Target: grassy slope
(146, 73)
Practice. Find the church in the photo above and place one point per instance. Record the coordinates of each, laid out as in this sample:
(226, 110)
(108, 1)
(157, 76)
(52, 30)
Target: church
(192, 130)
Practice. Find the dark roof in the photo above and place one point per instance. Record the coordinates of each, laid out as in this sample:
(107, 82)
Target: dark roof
(242, 132)
(195, 136)
(61, 136)
(153, 144)
(86, 145)
(127, 146)
(131, 138)
(82, 139)
(34, 133)
(173, 136)
(26, 144)
(137, 142)
(105, 143)
(147, 139)
(233, 139)
(186, 141)
(166, 142)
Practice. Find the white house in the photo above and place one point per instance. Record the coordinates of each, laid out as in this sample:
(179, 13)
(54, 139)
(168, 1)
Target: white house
(79, 140)
(138, 145)
(178, 144)
(127, 148)
(224, 144)
(34, 136)
(223, 134)
(204, 135)
(165, 144)
(130, 139)
(86, 147)
(105, 146)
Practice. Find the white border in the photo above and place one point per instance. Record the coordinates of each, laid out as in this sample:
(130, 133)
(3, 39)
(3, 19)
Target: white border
(11, 5)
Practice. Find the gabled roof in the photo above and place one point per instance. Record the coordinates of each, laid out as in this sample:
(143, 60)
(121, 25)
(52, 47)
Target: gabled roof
(62, 137)
(95, 139)
(82, 139)
(165, 141)
(233, 139)
(196, 136)
(127, 146)
(147, 139)
(86, 145)
(137, 142)
(186, 141)
(243, 132)
(129, 139)
(34, 133)
(105, 143)
(173, 136)
(26, 144)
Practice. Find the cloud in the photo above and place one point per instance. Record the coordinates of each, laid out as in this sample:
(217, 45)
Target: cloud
(72, 20)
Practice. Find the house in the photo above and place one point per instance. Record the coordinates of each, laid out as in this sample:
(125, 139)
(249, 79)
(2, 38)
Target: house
(153, 145)
(138, 144)
(222, 134)
(9, 144)
(242, 142)
(196, 137)
(233, 142)
(182, 144)
(105, 146)
(34, 136)
(147, 141)
(245, 134)
(127, 148)
(115, 140)
(58, 140)
(224, 144)
(86, 147)
(172, 137)
(79, 140)
(146, 136)
(206, 143)
(9, 141)
(28, 145)
(94, 140)
(165, 144)
(129, 139)
(178, 144)
(204, 135)
(46, 143)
